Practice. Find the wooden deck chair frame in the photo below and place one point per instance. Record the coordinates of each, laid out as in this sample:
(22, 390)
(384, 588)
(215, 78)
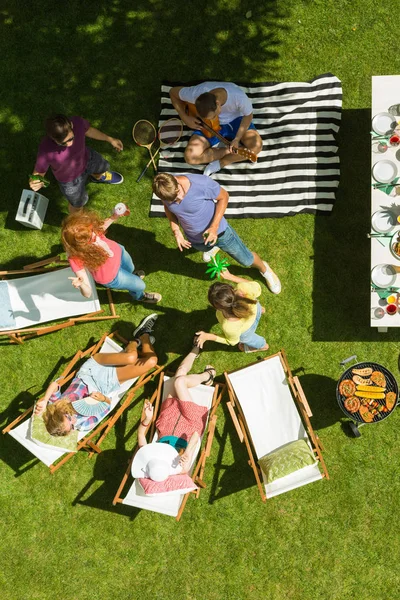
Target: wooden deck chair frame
(242, 429)
(18, 336)
(91, 442)
(204, 452)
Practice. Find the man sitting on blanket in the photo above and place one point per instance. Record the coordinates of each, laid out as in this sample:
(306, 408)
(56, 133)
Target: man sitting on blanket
(235, 113)
(197, 204)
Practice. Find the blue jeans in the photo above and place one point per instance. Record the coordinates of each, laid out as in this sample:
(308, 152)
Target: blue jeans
(75, 191)
(126, 280)
(232, 244)
(250, 338)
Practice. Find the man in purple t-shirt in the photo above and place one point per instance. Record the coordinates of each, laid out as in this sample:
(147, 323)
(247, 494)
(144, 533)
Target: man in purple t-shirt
(197, 203)
(72, 162)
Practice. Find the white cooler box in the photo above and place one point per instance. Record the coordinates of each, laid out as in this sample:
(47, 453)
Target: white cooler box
(31, 209)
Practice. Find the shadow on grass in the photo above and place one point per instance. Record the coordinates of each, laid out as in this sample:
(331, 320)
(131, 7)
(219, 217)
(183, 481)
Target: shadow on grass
(341, 292)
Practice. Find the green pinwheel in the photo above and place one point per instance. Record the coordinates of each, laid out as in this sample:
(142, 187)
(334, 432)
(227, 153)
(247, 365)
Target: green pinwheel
(218, 264)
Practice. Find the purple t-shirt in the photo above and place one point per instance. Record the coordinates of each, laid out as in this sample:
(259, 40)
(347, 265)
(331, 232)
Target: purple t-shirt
(67, 163)
(196, 211)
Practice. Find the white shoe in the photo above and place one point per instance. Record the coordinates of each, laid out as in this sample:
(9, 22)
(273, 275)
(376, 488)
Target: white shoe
(212, 168)
(272, 279)
(207, 256)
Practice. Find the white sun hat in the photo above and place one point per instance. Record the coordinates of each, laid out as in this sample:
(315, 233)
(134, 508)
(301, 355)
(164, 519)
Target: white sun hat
(157, 461)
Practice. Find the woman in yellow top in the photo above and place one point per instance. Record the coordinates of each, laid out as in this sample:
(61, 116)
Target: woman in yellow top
(238, 313)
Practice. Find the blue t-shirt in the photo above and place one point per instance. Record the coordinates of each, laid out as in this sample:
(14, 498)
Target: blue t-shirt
(196, 211)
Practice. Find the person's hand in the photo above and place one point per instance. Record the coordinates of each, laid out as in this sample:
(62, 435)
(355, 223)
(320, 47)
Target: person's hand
(181, 241)
(226, 274)
(148, 411)
(192, 122)
(210, 236)
(77, 282)
(100, 397)
(117, 144)
(35, 185)
(201, 338)
(40, 406)
(234, 145)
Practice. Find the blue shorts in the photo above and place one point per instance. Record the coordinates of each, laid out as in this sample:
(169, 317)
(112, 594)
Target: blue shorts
(75, 191)
(232, 244)
(228, 131)
(99, 378)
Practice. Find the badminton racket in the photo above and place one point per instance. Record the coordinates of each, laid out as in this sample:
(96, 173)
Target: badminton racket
(169, 134)
(145, 135)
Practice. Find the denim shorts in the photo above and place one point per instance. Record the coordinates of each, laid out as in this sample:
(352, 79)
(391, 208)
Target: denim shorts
(99, 378)
(232, 244)
(228, 131)
(75, 191)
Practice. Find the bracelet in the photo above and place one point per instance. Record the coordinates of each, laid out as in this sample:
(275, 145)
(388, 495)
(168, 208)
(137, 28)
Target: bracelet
(144, 424)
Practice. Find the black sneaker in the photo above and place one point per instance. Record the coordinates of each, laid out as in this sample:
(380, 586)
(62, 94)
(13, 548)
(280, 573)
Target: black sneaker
(146, 325)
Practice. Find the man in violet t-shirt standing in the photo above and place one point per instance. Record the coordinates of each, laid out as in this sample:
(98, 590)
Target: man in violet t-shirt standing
(72, 162)
(197, 203)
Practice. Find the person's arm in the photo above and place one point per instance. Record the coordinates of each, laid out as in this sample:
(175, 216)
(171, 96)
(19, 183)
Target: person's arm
(180, 107)
(244, 125)
(42, 403)
(96, 134)
(176, 230)
(211, 234)
(203, 336)
(81, 282)
(228, 276)
(147, 417)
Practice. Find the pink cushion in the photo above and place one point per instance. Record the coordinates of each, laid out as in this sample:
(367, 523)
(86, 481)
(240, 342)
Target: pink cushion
(181, 484)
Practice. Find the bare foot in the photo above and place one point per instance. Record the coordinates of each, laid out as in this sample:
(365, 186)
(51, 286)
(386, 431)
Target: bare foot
(263, 349)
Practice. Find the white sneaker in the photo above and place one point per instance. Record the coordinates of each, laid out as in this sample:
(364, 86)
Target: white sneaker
(272, 279)
(212, 167)
(207, 256)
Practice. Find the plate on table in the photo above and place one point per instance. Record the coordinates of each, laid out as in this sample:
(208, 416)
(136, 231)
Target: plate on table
(395, 243)
(383, 123)
(384, 171)
(383, 221)
(383, 276)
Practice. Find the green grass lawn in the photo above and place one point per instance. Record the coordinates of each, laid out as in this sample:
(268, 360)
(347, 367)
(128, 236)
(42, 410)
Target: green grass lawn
(60, 535)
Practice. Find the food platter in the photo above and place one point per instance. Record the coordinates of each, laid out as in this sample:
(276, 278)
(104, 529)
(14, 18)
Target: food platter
(395, 244)
(384, 276)
(383, 221)
(383, 123)
(384, 171)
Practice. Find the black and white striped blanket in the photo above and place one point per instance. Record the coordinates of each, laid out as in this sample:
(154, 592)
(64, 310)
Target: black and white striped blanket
(298, 168)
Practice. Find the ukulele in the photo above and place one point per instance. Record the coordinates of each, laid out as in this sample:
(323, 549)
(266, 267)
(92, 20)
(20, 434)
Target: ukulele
(210, 132)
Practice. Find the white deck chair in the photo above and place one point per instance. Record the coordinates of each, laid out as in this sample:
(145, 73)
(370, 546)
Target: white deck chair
(269, 410)
(28, 302)
(54, 457)
(167, 504)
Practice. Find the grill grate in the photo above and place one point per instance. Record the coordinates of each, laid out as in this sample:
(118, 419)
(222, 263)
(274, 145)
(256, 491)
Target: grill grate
(391, 386)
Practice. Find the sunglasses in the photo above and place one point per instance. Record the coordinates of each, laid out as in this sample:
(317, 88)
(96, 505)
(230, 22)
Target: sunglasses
(66, 142)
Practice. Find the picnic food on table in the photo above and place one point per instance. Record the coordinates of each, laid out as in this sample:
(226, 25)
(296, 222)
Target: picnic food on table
(347, 387)
(352, 404)
(390, 400)
(366, 372)
(361, 381)
(378, 378)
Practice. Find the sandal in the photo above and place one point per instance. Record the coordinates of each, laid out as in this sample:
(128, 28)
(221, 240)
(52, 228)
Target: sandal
(212, 374)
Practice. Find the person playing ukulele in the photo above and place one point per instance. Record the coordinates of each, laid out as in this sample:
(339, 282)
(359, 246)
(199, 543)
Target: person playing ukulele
(227, 109)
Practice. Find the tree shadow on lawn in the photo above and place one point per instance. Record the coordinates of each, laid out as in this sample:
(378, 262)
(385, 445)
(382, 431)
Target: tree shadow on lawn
(108, 64)
(341, 291)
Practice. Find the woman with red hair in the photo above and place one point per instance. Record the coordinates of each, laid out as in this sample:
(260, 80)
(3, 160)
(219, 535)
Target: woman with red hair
(84, 240)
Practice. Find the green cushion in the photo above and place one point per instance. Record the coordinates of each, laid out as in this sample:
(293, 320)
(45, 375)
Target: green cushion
(40, 435)
(286, 460)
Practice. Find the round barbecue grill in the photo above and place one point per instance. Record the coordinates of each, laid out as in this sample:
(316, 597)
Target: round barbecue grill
(391, 386)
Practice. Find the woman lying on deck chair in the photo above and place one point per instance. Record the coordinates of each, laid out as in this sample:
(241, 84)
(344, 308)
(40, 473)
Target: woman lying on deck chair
(179, 426)
(238, 313)
(85, 401)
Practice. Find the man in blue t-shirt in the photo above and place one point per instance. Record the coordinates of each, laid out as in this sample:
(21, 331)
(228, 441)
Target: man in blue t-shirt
(197, 204)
